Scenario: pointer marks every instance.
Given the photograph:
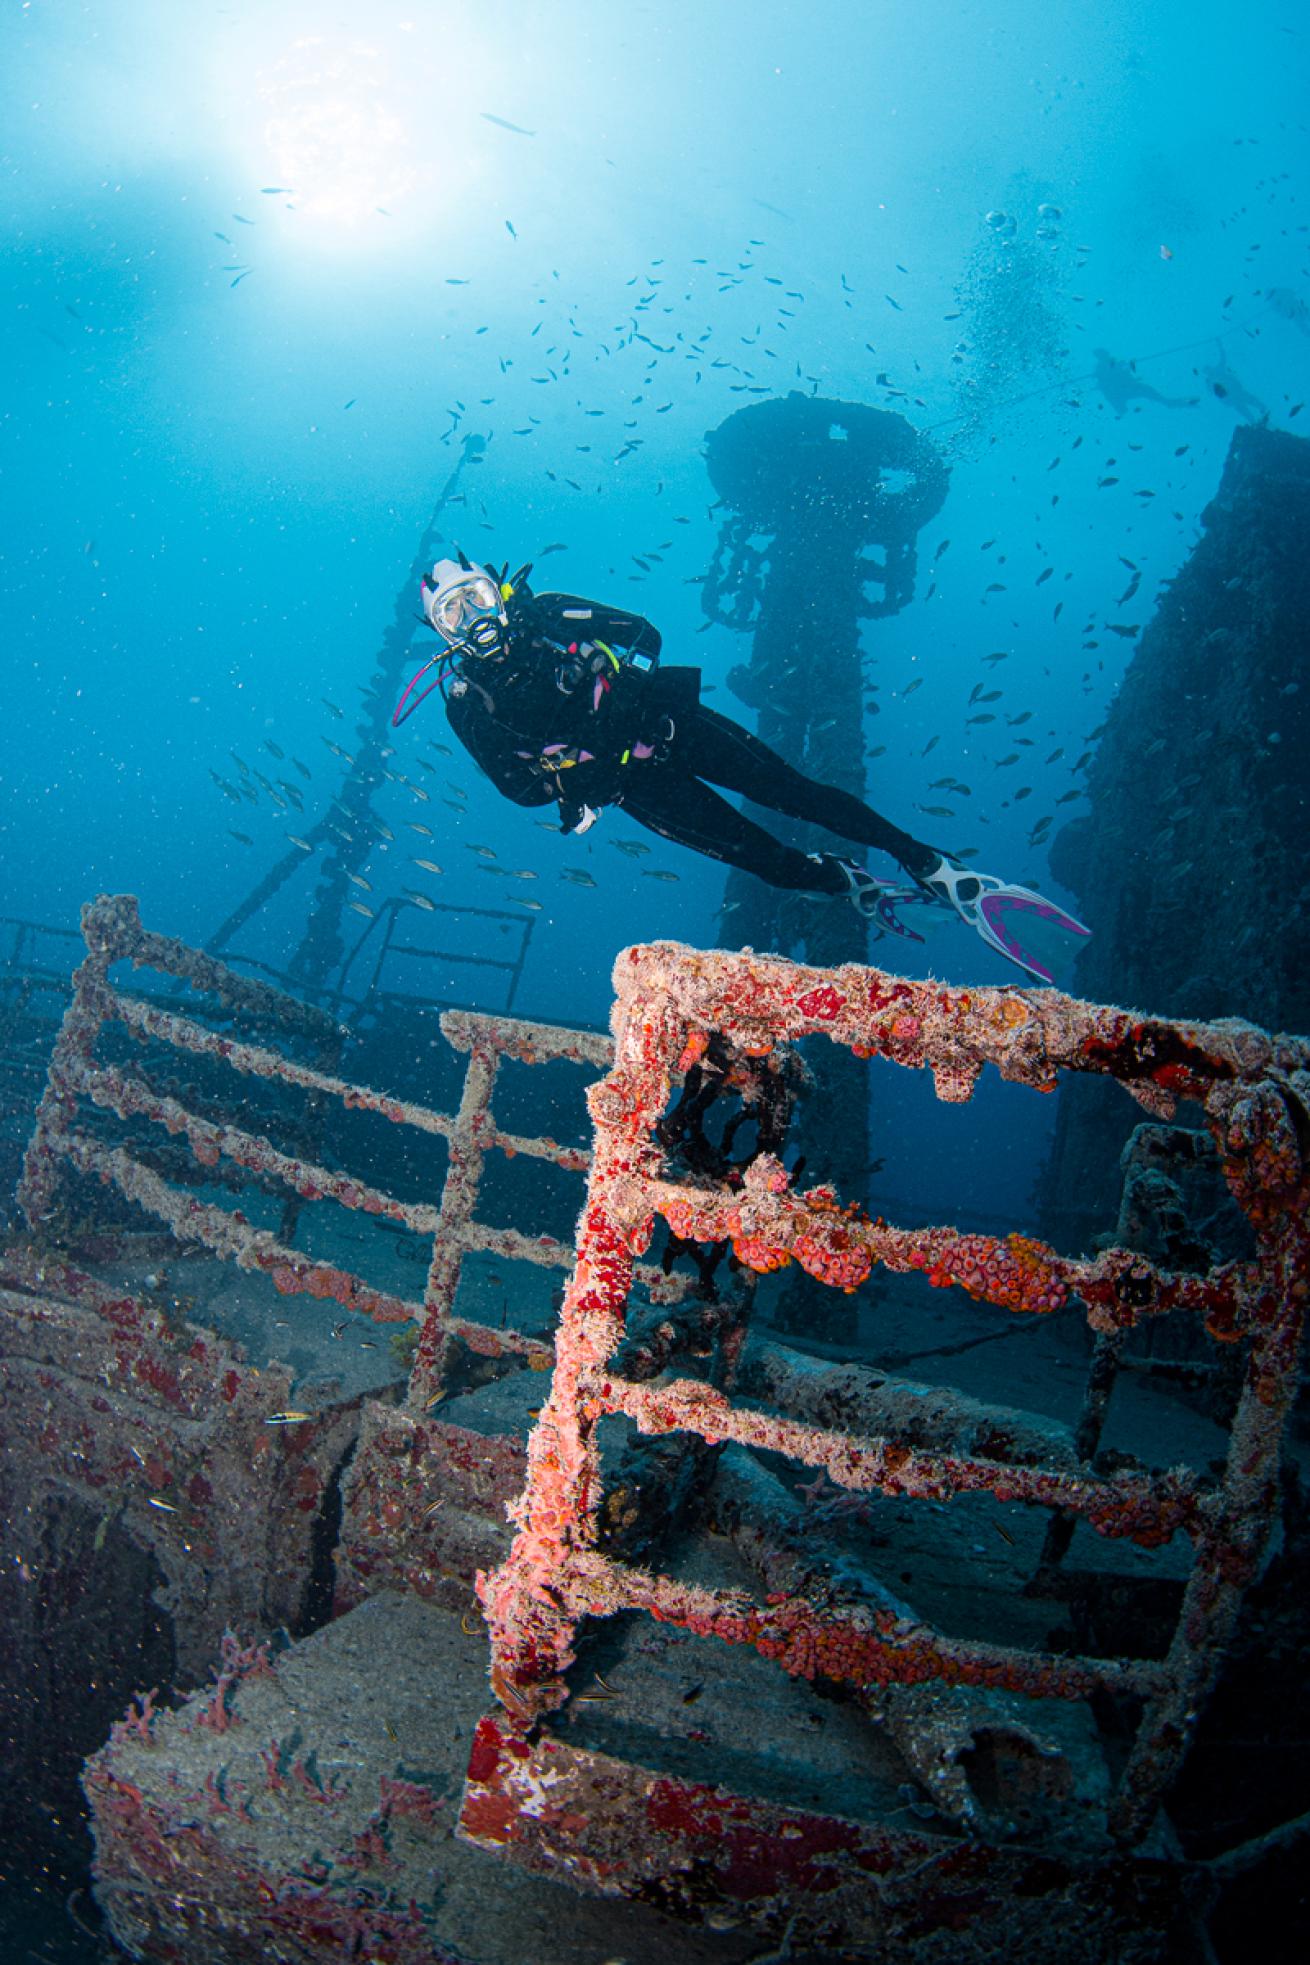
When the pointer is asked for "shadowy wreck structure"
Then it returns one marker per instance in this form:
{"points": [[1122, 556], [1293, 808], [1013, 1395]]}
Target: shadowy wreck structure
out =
{"points": [[412, 948], [823, 503], [1192, 863], [784, 1650]]}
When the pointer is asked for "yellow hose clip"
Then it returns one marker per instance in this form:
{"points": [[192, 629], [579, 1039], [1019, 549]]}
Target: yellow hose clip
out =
{"points": [[605, 649]]}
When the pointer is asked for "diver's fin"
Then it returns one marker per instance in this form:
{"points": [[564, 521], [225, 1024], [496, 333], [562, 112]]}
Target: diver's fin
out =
{"points": [[1020, 924], [877, 900]]}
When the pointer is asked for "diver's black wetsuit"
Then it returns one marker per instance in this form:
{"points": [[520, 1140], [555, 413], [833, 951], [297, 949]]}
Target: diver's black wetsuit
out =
{"points": [[556, 719]]}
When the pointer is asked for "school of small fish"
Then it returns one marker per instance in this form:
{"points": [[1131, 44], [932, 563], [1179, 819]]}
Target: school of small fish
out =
{"points": [[679, 353]]}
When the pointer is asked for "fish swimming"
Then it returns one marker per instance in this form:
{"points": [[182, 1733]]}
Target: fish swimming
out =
{"points": [[515, 129]]}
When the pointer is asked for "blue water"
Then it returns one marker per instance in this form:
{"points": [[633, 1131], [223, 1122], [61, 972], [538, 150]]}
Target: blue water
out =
{"points": [[264, 267]]}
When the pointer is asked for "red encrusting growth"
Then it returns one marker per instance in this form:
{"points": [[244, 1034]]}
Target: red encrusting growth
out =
{"points": [[669, 1001]]}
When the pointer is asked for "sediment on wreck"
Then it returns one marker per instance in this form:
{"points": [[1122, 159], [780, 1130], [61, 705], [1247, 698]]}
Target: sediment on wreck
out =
{"points": [[1192, 864]]}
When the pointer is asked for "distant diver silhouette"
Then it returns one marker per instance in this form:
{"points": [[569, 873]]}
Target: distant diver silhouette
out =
{"points": [[1119, 382], [1290, 305], [1229, 387]]}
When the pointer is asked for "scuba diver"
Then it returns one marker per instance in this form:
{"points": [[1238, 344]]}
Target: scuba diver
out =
{"points": [[1120, 384], [563, 701], [1229, 387]]}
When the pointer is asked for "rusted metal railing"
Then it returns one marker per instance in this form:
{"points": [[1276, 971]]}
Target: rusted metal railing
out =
{"points": [[113, 933], [1255, 1093]]}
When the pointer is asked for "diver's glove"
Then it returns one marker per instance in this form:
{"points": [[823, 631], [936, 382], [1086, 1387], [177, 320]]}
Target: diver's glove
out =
{"points": [[1017, 922], [655, 744], [877, 900], [578, 818]]}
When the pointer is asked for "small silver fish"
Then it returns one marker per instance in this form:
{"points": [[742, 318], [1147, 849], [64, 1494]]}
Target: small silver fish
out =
{"points": [[657, 873], [360, 908], [428, 866], [416, 825], [360, 881], [303, 844], [421, 900]]}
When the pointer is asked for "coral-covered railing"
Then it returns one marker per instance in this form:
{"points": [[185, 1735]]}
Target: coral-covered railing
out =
{"points": [[113, 933], [1255, 1093]]}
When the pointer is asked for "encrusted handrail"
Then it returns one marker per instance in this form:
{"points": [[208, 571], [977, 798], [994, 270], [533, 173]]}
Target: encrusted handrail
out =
{"points": [[1254, 1090], [113, 933]]}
